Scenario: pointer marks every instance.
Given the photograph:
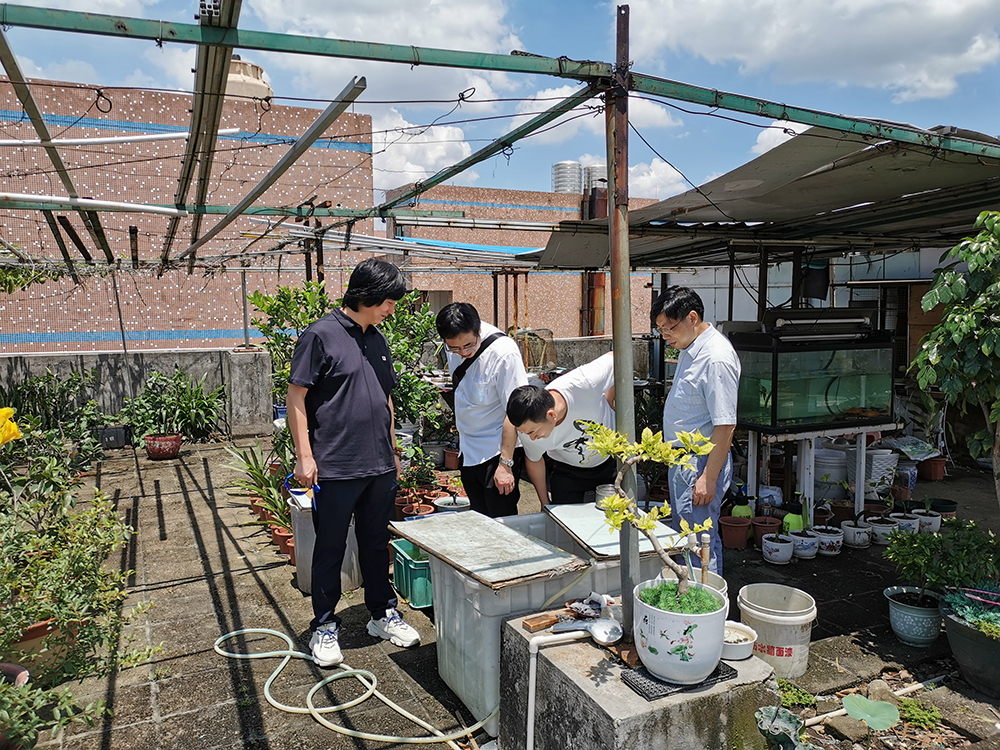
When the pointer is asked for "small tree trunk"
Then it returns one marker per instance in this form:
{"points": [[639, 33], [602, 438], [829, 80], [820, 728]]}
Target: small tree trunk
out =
{"points": [[996, 459]]}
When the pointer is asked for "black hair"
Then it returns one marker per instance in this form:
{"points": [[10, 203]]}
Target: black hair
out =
{"points": [[528, 403], [675, 302], [372, 282], [457, 318]]}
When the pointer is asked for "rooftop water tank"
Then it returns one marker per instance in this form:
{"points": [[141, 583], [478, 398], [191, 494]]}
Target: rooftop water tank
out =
{"points": [[566, 177], [595, 176], [247, 79]]}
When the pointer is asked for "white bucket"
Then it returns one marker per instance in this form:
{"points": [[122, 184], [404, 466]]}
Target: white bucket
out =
{"points": [[782, 617], [830, 470], [305, 540]]}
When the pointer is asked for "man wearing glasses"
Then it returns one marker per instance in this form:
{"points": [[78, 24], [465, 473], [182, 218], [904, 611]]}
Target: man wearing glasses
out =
{"points": [[703, 399], [485, 366]]}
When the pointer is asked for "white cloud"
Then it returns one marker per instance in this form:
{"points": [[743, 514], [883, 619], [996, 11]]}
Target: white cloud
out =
{"points": [[404, 153], [655, 180], [478, 25], [588, 117], [176, 63], [106, 7], [776, 134], [75, 71], [914, 48]]}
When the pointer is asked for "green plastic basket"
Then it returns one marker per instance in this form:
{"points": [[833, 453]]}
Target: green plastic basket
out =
{"points": [[411, 573]]}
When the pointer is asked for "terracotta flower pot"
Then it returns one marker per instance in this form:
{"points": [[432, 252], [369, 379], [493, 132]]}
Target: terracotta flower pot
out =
{"points": [[451, 461], [291, 549], [764, 525], [417, 509], [734, 531], [162, 446], [279, 537], [931, 469]]}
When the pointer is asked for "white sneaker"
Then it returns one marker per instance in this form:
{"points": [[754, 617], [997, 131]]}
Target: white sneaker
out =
{"points": [[325, 645], [393, 629]]}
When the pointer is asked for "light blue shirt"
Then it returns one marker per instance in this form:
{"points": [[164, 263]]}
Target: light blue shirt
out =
{"points": [[705, 387]]}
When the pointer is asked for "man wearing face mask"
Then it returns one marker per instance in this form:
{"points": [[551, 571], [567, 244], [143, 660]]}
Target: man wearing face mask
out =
{"points": [[485, 366], [701, 399]]}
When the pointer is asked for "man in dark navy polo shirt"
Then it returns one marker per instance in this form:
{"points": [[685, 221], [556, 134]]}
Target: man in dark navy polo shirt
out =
{"points": [[341, 420]]}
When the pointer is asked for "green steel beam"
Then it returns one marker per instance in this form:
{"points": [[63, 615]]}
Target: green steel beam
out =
{"points": [[762, 108], [182, 33], [535, 123], [347, 213]]}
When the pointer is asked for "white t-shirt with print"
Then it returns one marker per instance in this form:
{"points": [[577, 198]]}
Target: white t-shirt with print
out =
{"points": [[583, 389], [481, 398]]}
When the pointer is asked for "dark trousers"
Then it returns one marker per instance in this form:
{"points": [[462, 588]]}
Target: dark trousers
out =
{"points": [[370, 501], [568, 484], [482, 490]]}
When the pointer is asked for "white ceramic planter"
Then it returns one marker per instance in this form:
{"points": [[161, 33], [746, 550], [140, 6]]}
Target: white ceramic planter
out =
{"points": [[806, 544], [778, 548], [857, 534], [930, 521], [831, 540], [739, 641], [906, 522], [881, 528], [452, 503], [679, 648]]}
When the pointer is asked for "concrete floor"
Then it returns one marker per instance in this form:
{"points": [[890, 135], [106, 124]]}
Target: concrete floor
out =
{"points": [[208, 571]]}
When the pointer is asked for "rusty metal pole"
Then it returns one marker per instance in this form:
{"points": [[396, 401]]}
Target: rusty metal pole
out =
{"points": [[616, 109]]}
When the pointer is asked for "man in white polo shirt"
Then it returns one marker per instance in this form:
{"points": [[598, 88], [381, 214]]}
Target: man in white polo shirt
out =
{"points": [[701, 399], [554, 418], [487, 366]]}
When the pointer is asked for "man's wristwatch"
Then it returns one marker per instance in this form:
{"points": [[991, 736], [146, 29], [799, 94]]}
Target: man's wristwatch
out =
{"points": [[508, 462]]}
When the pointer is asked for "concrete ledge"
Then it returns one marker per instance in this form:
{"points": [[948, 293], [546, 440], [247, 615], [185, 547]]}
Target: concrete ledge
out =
{"points": [[246, 376], [582, 703]]}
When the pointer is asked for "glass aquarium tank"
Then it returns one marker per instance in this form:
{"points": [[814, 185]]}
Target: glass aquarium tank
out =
{"points": [[789, 387]]}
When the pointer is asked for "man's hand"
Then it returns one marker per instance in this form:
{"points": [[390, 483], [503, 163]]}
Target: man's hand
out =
{"points": [[399, 468], [305, 472], [703, 493], [504, 480]]}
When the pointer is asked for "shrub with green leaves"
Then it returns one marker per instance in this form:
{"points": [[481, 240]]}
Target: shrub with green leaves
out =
{"points": [[664, 595], [175, 404]]}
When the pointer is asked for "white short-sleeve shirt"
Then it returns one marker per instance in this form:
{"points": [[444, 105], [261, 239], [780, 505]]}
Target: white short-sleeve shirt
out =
{"points": [[705, 387], [481, 398], [584, 390]]}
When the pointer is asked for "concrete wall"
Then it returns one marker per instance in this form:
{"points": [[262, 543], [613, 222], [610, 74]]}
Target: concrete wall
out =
{"points": [[245, 375], [575, 352]]}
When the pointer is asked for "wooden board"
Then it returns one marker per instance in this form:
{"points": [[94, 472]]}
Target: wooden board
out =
{"points": [[585, 522], [486, 550]]}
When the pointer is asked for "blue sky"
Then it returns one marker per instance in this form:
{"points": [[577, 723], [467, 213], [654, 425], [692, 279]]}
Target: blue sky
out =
{"points": [[924, 62]]}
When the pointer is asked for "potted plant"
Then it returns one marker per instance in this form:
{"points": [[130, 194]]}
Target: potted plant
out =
{"points": [[958, 556], [972, 621], [679, 625], [929, 521], [61, 613], [169, 409]]}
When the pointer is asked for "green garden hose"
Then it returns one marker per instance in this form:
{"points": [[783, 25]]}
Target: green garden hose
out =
{"points": [[366, 678]]}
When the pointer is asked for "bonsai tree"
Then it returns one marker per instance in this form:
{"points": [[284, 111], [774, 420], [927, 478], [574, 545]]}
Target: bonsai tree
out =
{"points": [[961, 355], [620, 508]]}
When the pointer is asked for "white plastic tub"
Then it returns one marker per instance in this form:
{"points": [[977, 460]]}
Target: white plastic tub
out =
{"points": [[782, 617]]}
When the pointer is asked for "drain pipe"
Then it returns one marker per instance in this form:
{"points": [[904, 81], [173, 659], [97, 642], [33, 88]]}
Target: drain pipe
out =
{"points": [[533, 645]]}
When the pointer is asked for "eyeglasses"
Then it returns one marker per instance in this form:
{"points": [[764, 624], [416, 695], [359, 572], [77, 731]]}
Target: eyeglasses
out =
{"points": [[664, 331], [464, 349]]}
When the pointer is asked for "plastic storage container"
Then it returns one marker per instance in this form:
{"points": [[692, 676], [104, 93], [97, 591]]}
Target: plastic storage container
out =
{"points": [[468, 639], [411, 573]]}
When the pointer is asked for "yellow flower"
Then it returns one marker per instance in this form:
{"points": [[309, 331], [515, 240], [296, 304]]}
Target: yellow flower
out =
{"points": [[8, 428]]}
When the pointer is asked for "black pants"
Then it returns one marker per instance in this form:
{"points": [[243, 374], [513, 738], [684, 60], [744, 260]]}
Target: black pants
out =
{"points": [[370, 501], [569, 484], [482, 490]]}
